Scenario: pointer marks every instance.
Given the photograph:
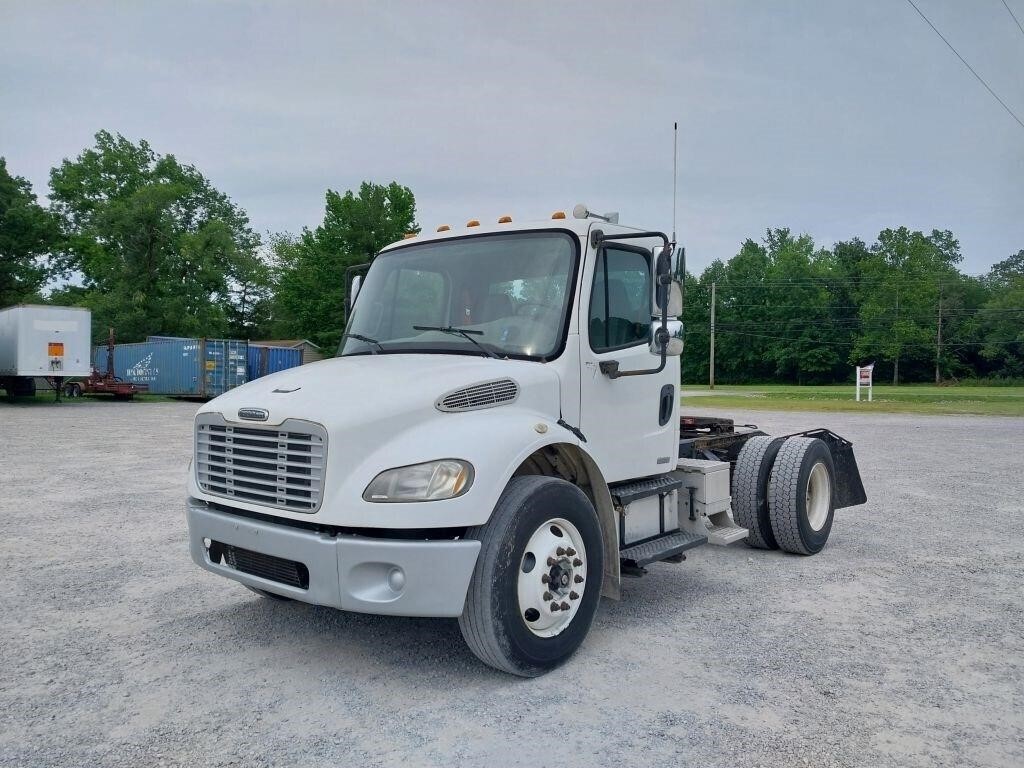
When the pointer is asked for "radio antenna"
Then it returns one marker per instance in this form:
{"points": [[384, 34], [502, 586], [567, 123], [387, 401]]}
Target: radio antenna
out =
{"points": [[675, 178]]}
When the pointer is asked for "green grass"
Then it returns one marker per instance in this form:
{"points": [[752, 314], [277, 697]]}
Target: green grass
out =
{"points": [[910, 398]]}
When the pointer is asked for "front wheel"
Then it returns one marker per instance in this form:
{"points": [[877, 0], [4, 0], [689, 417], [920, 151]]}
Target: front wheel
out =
{"points": [[537, 581]]}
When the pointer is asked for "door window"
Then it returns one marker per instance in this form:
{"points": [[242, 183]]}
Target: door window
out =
{"points": [[620, 301]]}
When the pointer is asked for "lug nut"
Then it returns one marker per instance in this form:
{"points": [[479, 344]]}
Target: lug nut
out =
{"points": [[552, 561], [570, 552], [548, 596], [578, 579], [560, 551], [554, 607], [564, 606], [573, 596], [544, 579], [577, 562]]}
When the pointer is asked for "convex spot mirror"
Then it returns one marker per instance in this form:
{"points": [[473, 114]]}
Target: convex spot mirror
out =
{"points": [[675, 338]]}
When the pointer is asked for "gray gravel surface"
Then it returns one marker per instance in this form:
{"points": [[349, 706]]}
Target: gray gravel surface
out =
{"points": [[900, 644]]}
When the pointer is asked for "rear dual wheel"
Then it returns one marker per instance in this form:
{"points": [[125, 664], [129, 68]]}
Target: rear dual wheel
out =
{"points": [[537, 580], [783, 493], [801, 499]]}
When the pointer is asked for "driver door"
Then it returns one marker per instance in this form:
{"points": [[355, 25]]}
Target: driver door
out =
{"points": [[622, 418]]}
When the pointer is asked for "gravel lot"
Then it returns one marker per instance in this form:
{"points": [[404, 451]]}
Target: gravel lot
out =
{"points": [[901, 644]]}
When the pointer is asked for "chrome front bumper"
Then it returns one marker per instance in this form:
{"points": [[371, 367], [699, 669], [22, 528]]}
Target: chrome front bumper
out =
{"points": [[354, 573]]}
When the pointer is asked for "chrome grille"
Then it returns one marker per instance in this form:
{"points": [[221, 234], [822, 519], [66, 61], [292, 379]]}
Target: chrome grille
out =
{"points": [[486, 394], [279, 466]]}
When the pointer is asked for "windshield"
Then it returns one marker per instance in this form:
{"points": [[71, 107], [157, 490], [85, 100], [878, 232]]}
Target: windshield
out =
{"points": [[496, 295]]}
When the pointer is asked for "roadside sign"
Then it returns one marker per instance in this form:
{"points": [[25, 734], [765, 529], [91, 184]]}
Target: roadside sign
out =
{"points": [[864, 376]]}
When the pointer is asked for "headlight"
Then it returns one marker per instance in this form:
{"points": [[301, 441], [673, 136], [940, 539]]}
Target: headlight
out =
{"points": [[431, 481]]}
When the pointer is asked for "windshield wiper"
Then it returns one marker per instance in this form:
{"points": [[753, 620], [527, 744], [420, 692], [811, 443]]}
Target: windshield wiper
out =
{"points": [[368, 340], [463, 332]]}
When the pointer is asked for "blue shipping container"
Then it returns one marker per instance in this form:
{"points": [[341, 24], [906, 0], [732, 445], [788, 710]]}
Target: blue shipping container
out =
{"points": [[191, 367], [264, 360]]}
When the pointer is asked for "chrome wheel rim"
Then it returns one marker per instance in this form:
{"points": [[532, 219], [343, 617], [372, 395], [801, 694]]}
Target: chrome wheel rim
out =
{"points": [[552, 576], [819, 496]]}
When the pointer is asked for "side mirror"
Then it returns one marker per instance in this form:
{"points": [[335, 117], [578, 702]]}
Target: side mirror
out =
{"points": [[673, 338], [357, 281], [675, 299]]}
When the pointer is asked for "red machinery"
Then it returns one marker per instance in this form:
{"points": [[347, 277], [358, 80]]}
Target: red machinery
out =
{"points": [[105, 383]]}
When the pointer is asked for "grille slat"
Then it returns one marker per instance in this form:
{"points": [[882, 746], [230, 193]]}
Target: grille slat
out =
{"points": [[280, 466], [486, 394]]}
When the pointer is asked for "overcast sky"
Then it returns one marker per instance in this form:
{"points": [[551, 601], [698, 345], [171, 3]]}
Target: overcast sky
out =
{"points": [[832, 117]]}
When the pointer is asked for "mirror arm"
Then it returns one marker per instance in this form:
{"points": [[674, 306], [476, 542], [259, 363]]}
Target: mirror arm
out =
{"points": [[663, 275]]}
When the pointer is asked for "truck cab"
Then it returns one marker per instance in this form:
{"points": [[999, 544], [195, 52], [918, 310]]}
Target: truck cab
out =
{"points": [[498, 440]]}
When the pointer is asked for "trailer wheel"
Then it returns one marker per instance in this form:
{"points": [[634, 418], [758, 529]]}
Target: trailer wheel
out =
{"points": [[73, 390], [801, 497], [537, 581], [750, 489]]}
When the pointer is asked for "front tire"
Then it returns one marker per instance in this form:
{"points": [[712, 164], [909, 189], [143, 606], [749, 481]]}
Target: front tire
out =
{"points": [[537, 580]]}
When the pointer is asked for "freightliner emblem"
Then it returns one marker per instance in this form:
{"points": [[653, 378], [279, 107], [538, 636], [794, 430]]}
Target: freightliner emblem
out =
{"points": [[253, 414]]}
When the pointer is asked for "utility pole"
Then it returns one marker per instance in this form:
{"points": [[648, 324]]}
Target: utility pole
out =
{"points": [[714, 287], [896, 362], [938, 340]]}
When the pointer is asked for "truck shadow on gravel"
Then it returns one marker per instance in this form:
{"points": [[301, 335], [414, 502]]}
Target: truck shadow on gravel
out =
{"points": [[294, 632]]}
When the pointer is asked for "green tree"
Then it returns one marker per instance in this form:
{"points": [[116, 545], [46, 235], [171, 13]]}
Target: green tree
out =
{"points": [[899, 297], [160, 250], [28, 232], [1001, 319], [310, 288]]}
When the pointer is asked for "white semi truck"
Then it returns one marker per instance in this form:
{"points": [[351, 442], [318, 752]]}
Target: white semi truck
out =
{"points": [[498, 440]]}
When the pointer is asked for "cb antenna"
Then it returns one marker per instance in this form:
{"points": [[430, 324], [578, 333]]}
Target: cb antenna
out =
{"points": [[675, 178]]}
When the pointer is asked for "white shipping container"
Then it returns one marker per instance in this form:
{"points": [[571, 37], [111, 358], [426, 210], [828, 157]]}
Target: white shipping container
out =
{"points": [[45, 341]]}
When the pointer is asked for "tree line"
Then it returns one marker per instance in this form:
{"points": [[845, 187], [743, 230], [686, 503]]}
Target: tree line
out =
{"points": [[152, 247], [789, 311]]}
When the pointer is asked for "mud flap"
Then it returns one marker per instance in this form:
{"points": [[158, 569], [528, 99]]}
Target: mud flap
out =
{"points": [[849, 488]]}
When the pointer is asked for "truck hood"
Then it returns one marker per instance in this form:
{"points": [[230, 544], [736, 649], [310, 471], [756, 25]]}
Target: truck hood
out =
{"points": [[391, 393]]}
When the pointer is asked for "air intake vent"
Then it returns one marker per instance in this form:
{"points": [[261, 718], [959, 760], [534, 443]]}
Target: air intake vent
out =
{"points": [[486, 394]]}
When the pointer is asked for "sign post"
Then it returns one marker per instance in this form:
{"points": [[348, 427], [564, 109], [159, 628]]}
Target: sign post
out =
{"points": [[864, 379]]}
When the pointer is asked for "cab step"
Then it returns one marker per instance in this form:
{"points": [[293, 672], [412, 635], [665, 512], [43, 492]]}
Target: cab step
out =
{"points": [[724, 535], [626, 493], [661, 548]]}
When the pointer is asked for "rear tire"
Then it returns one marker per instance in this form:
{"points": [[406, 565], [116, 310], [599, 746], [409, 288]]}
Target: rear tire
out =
{"points": [[508, 621], [750, 489], [801, 496]]}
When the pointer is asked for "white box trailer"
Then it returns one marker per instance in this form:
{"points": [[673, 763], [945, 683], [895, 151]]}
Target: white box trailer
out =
{"points": [[43, 342]]}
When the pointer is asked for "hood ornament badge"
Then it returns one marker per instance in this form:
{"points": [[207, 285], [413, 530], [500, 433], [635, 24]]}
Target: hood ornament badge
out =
{"points": [[253, 414], [285, 391]]}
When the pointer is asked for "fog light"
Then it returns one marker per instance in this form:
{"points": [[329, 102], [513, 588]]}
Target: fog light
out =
{"points": [[396, 579]]}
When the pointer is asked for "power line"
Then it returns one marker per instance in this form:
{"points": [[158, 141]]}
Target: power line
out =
{"points": [[1014, 17], [964, 61], [928, 345]]}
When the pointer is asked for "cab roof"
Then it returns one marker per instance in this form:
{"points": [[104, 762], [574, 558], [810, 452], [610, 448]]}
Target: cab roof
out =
{"points": [[580, 227]]}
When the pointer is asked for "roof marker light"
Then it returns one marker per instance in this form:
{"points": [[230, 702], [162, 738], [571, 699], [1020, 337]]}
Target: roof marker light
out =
{"points": [[505, 220], [472, 223], [558, 215], [408, 235], [443, 228]]}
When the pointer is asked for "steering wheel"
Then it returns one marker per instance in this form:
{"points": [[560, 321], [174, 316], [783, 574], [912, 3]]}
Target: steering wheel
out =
{"points": [[534, 309]]}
